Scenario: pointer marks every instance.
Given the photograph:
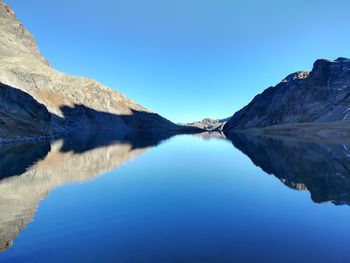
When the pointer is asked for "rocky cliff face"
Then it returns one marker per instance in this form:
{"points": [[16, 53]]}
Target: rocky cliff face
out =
{"points": [[319, 96], [73, 102]]}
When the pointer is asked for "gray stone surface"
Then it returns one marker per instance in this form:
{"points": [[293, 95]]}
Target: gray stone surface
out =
{"points": [[208, 124]]}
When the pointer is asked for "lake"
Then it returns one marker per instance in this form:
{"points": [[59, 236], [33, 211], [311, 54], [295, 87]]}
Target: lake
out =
{"points": [[186, 198]]}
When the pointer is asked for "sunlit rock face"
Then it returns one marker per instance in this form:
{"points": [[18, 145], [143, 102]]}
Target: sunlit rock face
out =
{"points": [[322, 168], [319, 96], [16, 40], [46, 166], [209, 124]]}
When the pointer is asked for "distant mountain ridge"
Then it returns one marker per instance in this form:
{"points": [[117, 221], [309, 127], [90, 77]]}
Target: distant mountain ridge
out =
{"points": [[208, 124], [319, 96]]}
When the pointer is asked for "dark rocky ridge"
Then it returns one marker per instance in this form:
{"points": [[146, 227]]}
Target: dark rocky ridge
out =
{"points": [[319, 96]]}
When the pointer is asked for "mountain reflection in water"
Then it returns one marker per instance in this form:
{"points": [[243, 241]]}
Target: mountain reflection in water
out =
{"points": [[30, 171], [321, 167]]}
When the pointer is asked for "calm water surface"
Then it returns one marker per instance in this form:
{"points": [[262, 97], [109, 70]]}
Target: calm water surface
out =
{"points": [[188, 199]]}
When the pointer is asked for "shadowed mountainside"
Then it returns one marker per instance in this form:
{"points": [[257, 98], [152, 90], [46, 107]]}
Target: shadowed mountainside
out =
{"points": [[319, 96], [322, 168], [21, 115], [22, 118]]}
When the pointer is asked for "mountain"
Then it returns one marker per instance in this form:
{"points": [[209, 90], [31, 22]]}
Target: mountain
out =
{"points": [[208, 124], [61, 102], [321, 96]]}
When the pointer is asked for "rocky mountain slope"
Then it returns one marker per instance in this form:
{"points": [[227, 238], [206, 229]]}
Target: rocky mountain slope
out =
{"points": [[208, 124], [319, 96], [72, 102]]}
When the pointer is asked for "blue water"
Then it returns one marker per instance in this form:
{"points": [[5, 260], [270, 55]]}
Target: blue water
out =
{"points": [[185, 200]]}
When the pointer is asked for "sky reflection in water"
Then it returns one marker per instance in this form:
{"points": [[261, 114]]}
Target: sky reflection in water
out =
{"points": [[186, 200]]}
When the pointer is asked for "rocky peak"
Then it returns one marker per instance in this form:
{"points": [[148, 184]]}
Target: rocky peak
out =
{"points": [[342, 59], [297, 75], [6, 10], [328, 72], [16, 39]]}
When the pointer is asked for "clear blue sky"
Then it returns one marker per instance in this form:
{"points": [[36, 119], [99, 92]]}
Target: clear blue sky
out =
{"points": [[187, 59]]}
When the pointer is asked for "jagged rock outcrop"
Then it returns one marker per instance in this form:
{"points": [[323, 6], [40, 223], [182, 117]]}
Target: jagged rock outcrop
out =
{"points": [[16, 40], [319, 96], [320, 167], [73, 102]]}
